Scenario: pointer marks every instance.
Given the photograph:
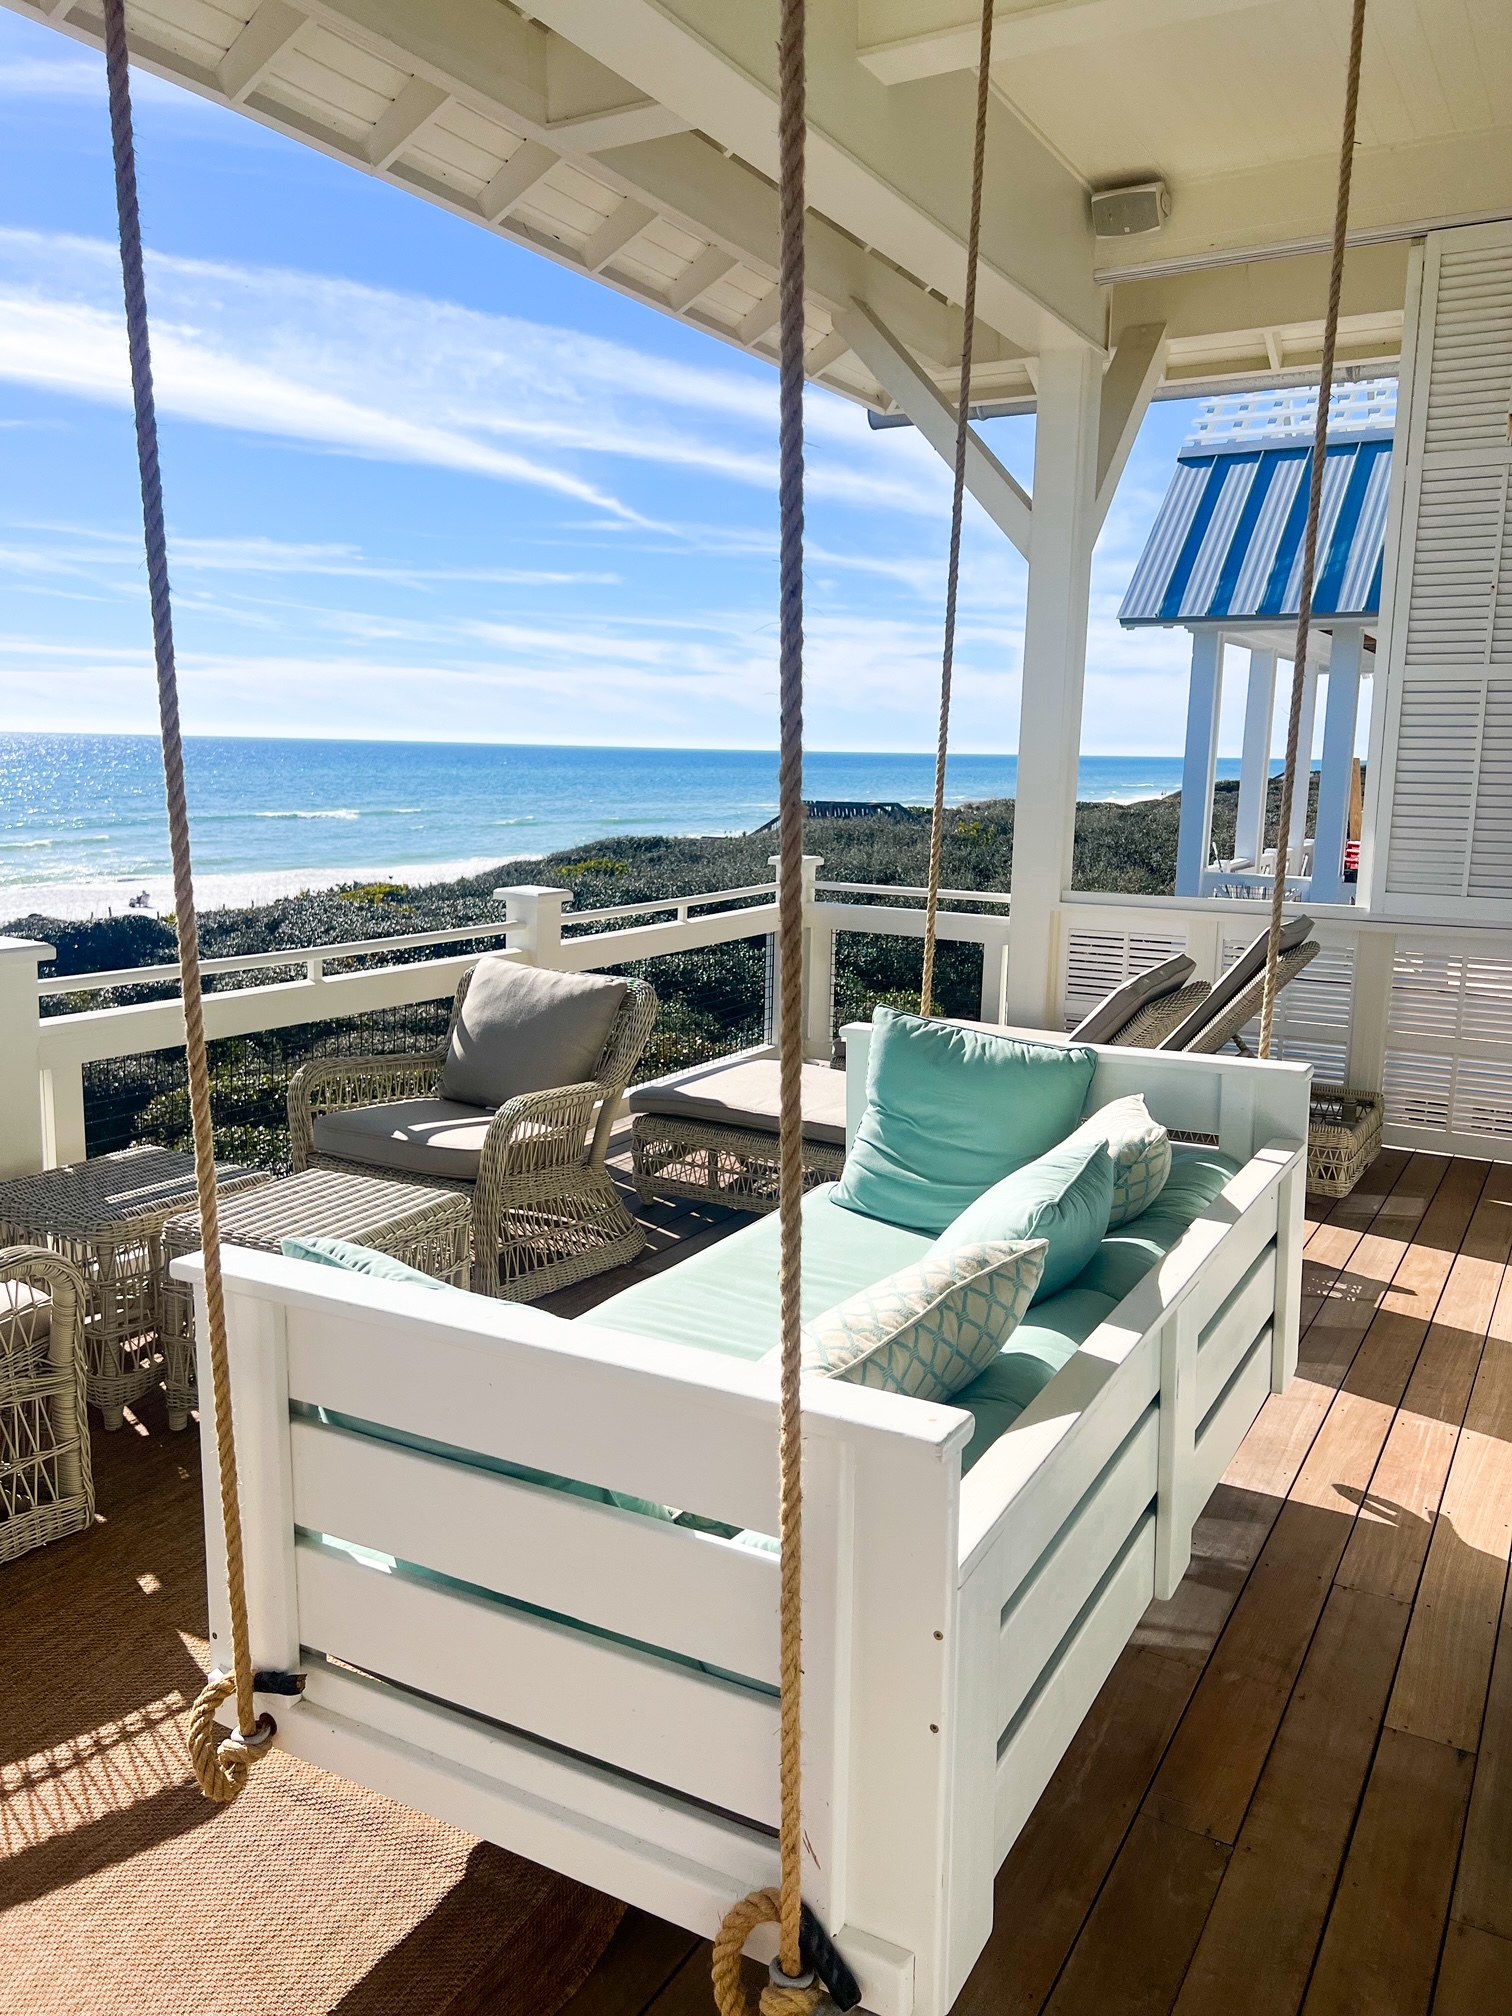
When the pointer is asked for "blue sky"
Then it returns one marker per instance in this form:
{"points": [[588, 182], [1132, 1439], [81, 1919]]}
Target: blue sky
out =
{"points": [[423, 483]]}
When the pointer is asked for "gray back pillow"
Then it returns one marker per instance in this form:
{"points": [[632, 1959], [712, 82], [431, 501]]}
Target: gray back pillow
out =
{"points": [[524, 1029]]}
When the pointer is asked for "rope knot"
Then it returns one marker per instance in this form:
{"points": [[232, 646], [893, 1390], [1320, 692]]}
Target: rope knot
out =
{"points": [[223, 1764], [782, 1996]]}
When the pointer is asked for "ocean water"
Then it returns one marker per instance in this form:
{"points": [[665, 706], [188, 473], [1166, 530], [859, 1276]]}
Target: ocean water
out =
{"points": [[83, 828]]}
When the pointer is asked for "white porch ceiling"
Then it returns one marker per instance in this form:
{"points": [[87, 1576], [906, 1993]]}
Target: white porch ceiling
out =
{"points": [[635, 140]]}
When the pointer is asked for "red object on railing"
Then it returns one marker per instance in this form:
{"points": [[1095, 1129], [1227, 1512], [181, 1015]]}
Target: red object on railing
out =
{"points": [[1351, 860]]}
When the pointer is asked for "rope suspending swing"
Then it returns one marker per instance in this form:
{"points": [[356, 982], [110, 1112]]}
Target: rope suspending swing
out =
{"points": [[792, 1989], [957, 508], [1310, 537], [221, 1764]]}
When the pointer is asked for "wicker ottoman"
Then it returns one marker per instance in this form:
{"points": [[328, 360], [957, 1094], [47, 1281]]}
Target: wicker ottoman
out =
{"points": [[106, 1216], [1343, 1139], [427, 1229], [710, 1133]]}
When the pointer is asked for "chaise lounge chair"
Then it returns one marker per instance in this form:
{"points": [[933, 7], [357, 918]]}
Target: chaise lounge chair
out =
{"points": [[502, 1110]]}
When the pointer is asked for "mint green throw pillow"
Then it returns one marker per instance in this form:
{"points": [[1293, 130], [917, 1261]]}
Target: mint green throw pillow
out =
{"points": [[1063, 1197], [934, 1326], [328, 1252], [950, 1112]]}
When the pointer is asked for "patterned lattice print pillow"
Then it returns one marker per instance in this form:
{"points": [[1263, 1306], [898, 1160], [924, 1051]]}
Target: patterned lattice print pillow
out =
{"points": [[1141, 1151], [931, 1328]]}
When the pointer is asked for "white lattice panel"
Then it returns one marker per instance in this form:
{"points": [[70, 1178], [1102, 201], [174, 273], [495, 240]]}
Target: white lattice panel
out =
{"points": [[1099, 961], [1449, 1043], [1312, 1013]]}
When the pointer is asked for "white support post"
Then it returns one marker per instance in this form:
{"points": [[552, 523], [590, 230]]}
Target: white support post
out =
{"points": [[21, 1089], [1340, 717], [818, 971], [1254, 767], [258, 1357], [994, 974], [1063, 530], [1370, 1010], [1199, 769], [1291, 1236], [1293, 862], [1177, 1448], [534, 916]]}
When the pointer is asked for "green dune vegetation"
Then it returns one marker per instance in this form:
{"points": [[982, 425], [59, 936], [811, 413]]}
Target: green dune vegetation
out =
{"points": [[711, 1001]]}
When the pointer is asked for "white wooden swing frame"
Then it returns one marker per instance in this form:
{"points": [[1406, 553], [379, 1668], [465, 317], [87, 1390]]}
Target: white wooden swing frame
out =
{"points": [[955, 1630]]}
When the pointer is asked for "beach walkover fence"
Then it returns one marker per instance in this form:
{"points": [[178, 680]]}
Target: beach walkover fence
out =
{"points": [[1419, 1012]]}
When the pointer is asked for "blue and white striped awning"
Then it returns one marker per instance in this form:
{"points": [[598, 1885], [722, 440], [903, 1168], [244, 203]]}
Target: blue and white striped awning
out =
{"points": [[1227, 545]]}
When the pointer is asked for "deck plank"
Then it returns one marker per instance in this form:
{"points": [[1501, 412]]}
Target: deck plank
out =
{"points": [[1483, 1892], [1446, 1663], [1475, 1974], [1218, 1753], [1257, 1947], [1380, 1953]]}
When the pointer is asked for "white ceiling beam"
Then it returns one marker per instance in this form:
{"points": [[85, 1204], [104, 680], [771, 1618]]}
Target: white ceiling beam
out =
{"points": [[616, 232], [1000, 495], [408, 116], [876, 165], [715, 197], [265, 37], [622, 126], [901, 41], [827, 351], [711, 265], [758, 321], [529, 164], [1128, 385]]}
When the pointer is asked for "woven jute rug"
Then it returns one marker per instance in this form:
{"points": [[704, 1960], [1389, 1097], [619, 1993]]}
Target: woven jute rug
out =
{"points": [[124, 1893]]}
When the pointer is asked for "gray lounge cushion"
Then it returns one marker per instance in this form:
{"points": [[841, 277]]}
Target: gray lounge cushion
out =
{"points": [[1117, 1010], [416, 1137], [746, 1095], [524, 1029]]}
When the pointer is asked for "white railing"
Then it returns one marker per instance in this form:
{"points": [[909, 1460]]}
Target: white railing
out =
{"points": [[1419, 1012]]}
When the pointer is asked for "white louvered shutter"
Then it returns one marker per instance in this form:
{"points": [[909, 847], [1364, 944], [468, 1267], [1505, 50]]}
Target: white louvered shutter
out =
{"points": [[1450, 830]]}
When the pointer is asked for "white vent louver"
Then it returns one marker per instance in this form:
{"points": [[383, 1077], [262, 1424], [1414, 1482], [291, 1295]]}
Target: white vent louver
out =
{"points": [[1449, 1044], [1450, 833], [1099, 961]]}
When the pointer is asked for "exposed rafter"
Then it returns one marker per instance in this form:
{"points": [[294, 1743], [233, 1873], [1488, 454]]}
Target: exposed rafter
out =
{"points": [[265, 37]]}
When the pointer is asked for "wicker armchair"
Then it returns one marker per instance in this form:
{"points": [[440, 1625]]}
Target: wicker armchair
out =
{"points": [[46, 1488], [545, 1212]]}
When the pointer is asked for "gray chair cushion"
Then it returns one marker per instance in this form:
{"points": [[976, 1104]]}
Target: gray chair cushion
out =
{"points": [[1249, 964], [524, 1029], [746, 1095], [417, 1137], [1117, 1010]]}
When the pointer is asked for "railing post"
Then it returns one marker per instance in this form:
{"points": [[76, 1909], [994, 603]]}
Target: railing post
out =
{"points": [[21, 1136], [534, 917], [63, 1113], [818, 971]]}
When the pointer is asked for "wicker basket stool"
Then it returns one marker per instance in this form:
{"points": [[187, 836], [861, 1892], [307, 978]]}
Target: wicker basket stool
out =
{"points": [[46, 1489], [1343, 1139], [427, 1229], [106, 1216], [710, 1133]]}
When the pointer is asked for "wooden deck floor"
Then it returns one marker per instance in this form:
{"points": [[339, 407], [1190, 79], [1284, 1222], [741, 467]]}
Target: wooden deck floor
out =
{"points": [[1295, 1791]]}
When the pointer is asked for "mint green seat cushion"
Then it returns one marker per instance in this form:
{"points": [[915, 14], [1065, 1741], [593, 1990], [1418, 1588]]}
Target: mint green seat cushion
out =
{"points": [[354, 1259], [1064, 1197], [725, 1298], [1054, 1328], [950, 1112]]}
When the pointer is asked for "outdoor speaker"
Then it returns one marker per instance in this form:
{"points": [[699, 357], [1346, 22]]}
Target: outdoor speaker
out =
{"points": [[1130, 212]]}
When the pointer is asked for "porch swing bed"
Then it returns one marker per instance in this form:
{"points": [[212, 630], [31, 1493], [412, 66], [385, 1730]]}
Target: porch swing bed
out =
{"points": [[598, 1689]]}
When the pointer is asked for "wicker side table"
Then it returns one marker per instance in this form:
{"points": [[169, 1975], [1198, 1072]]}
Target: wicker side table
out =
{"points": [[427, 1229], [106, 1216]]}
